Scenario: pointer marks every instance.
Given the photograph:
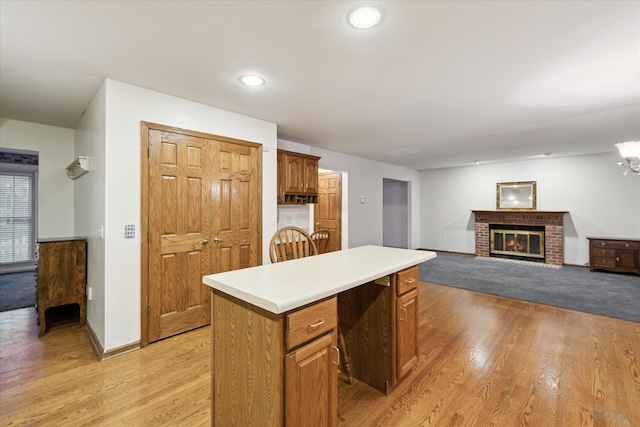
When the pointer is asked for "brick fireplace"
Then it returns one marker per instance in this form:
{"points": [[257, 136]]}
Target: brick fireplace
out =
{"points": [[552, 221]]}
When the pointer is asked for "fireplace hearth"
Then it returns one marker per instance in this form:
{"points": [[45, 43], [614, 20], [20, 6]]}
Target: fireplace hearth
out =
{"points": [[552, 238]]}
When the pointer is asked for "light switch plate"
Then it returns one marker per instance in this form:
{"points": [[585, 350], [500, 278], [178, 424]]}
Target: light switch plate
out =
{"points": [[129, 231]]}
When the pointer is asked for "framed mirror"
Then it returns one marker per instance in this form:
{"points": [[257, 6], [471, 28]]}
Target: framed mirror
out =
{"points": [[516, 195]]}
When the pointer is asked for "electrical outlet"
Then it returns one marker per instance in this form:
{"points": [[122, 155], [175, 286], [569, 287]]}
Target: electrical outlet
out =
{"points": [[129, 231], [89, 293]]}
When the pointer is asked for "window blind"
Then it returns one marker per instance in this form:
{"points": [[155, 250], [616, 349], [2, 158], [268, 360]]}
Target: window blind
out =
{"points": [[16, 217]]}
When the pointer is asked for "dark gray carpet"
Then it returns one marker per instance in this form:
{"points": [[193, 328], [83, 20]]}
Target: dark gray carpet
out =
{"points": [[575, 288], [17, 290]]}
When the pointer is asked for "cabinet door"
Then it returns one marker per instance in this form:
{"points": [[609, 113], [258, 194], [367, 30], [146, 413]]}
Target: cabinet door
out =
{"points": [[406, 333], [295, 174], [311, 383], [627, 258], [311, 175]]}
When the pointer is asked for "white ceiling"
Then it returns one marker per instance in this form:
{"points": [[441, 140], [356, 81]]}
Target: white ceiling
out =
{"points": [[436, 84]]}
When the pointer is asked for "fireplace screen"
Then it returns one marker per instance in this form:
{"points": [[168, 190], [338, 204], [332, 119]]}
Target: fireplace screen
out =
{"points": [[521, 243]]}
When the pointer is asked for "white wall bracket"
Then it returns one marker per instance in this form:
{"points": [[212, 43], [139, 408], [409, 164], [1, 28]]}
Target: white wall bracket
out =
{"points": [[78, 167]]}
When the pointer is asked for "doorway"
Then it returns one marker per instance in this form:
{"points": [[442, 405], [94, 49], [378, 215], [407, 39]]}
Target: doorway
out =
{"points": [[202, 210], [395, 213]]}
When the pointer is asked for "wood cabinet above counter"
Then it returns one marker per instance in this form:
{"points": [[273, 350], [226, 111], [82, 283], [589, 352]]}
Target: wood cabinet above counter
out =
{"points": [[297, 178]]}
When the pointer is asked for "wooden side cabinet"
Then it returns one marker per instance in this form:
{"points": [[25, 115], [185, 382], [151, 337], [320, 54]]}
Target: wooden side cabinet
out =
{"points": [[62, 267], [616, 255]]}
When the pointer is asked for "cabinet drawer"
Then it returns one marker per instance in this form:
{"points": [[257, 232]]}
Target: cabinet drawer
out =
{"points": [[310, 322], [407, 280], [604, 262], [615, 244], [604, 252]]}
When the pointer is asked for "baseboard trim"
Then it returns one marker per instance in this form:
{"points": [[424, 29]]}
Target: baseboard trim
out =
{"points": [[118, 351], [104, 355], [97, 347]]}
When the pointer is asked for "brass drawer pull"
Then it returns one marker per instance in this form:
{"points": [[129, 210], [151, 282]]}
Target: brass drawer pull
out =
{"points": [[317, 324], [338, 358], [413, 279], [403, 310]]}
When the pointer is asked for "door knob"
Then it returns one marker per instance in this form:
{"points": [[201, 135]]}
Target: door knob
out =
{"points": [[217, 240], [205, 241]]}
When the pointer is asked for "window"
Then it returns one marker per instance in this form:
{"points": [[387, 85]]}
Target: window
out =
{"points": [[18, 186]]}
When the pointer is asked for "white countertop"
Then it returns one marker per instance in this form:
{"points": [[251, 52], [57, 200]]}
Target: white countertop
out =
{"points": [[291, 284]]}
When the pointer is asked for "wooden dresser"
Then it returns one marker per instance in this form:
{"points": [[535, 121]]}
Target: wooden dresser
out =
{"points": [[62, 267], [614, 254]]}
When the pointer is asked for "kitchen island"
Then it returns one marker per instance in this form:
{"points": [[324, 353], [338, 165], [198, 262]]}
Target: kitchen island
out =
{"points": [[276, 327]]}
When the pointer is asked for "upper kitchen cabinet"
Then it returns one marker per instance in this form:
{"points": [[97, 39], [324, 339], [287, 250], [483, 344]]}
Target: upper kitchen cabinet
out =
{"points": [[297, 177]]}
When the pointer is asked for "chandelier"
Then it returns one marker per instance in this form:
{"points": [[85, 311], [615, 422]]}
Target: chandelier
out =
{"points": [[630, 151]]}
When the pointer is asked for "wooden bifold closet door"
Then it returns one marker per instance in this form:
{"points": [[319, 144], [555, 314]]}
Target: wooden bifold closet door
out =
{"points": [[202, 210]]}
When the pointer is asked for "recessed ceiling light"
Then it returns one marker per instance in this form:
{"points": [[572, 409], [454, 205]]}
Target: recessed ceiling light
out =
{"points": [[252, 80], [364, 17]]}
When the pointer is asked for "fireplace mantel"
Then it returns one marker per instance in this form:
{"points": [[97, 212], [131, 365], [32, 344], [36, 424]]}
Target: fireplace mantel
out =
{"points": [[553, 222]]}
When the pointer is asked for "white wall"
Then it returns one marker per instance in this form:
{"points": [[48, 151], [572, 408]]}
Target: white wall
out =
{"points": [[296, 215], [599, 199], [126, 107], [55, 189], [365, 180], [90, 141]]}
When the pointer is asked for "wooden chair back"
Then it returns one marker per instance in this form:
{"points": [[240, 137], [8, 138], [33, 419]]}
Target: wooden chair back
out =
{"points": [[321, 239], [290, 243]]}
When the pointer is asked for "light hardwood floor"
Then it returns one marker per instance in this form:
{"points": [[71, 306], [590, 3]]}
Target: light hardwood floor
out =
{"points": [[484, 361]]}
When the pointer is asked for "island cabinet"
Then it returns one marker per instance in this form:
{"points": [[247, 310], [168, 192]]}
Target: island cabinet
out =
{"points": [[311, 370], [276, 329], [280, 369], [297, 177], [614, 254], [406, 321], [379, 322]]}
